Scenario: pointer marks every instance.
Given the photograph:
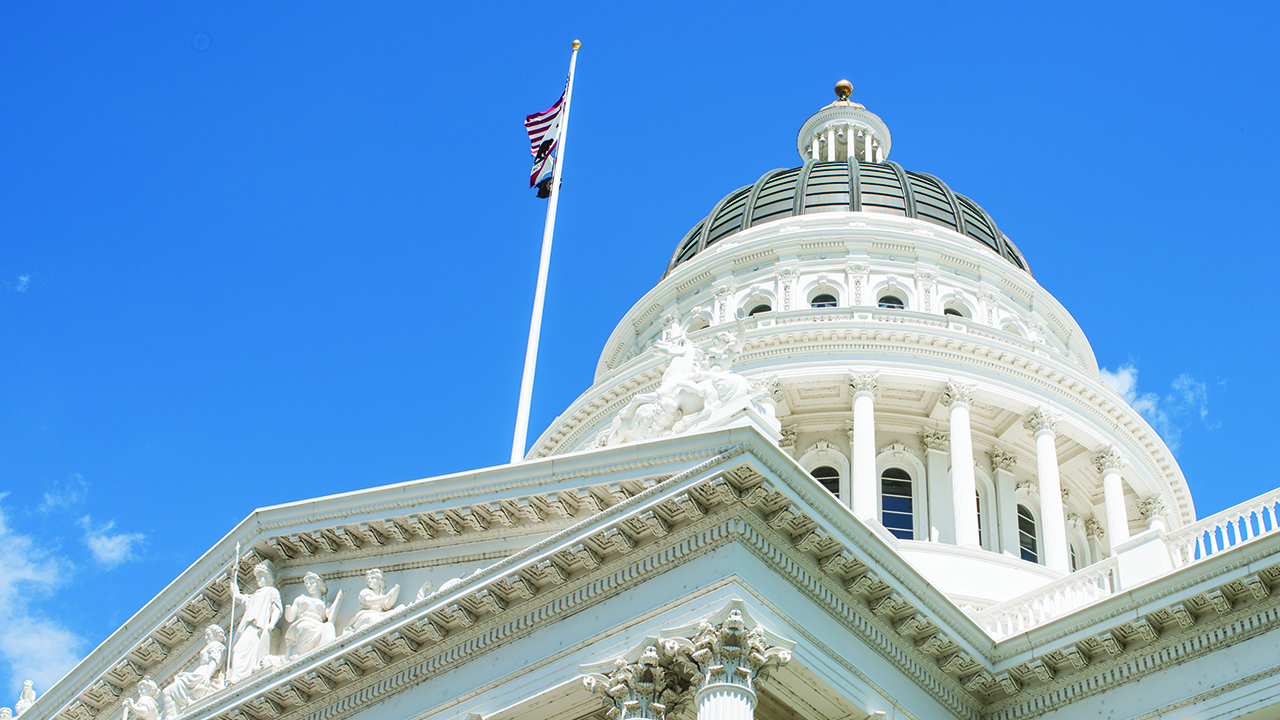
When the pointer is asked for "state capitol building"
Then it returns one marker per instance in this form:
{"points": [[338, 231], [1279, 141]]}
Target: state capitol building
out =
{"points": [[846, 460]]}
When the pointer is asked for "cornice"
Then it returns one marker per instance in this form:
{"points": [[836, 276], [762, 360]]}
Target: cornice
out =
{"points": [[166, 631]]}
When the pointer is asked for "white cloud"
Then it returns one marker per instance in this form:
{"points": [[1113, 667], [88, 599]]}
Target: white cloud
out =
{"points": [[23, 281], [65, 493], [108, 549], [33, 646], [1169, 414]]}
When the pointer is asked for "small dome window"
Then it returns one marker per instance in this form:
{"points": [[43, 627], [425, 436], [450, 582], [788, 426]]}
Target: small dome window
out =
{"points": [[952, 312], [698, 323], [824, 300], [896, 512], [1027, 535], [891, 302], [761, 308], [828, 477]]}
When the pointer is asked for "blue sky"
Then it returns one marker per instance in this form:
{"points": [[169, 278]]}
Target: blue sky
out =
{"points": [[252, 253]]}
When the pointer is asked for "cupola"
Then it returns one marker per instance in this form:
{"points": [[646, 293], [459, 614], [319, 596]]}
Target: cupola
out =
{"points": [[844, 128]]}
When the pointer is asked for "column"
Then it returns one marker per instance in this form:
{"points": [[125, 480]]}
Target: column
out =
{"points": [[941, 516], [1006, 515], [1108, 463], [864, 388], [1044, 427], [732, 660], [831, 144], [815, 152], [866, 147], [963, 486]]}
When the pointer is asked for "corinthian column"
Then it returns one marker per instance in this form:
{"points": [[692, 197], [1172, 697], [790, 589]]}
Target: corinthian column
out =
{"points": [[1044, 427], [864, 388], [963, 486], [1108, 463], [730, 660]]}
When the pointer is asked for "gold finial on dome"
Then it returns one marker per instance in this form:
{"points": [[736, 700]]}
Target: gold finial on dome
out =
{"points": [[844, 89], [577, 44]]}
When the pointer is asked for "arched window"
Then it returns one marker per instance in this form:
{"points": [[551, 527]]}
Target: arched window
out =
{"points": [[978, 495], [1075, 557], [952, 312], [895, 503], [891, 302], [699, 322], [761, 308], [1027, 535], [828, 477], [823, 300]]}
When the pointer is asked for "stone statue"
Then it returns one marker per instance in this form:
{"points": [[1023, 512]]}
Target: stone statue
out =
{"points": [[423, 591], [148, 705], [698, 389], [25, 700], [312, 621], [376, 600], [262, 611], [6, 713], [202, 680]]}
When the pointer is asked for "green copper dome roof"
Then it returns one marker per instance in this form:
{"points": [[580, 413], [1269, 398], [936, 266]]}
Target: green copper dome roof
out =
{"points": [[842, 186]]}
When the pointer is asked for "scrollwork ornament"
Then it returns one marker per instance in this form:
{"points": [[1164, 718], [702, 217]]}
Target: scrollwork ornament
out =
{"points": [[788, 438]]}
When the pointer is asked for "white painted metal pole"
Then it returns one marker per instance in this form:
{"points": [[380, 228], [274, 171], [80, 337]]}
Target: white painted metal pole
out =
{"points": [[535, 325]]}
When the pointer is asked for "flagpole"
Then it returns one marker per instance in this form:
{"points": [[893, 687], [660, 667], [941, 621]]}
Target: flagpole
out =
{"points": [[535, 325]]}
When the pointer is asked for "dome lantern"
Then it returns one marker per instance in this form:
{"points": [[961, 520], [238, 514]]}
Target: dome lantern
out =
{"points": [[844, 126]]}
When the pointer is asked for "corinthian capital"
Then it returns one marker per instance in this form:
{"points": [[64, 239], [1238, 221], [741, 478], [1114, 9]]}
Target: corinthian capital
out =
{"points": [[1001, 460], [1151, 507], [958, 395], [645, 689], [1108, 459], [728, 652], [868, 383], [1041, 421], [935, 440]]}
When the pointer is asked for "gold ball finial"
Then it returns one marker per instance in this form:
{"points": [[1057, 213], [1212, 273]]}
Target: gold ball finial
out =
{"points": [[577, 44], [844, 89]]}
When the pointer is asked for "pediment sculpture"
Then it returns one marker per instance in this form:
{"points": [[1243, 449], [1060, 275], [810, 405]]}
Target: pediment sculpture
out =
{"points": [[698, 390]]}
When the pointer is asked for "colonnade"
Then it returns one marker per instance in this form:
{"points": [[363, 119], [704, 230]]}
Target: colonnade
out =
{"points": [[872, 151], [1043, 426]]}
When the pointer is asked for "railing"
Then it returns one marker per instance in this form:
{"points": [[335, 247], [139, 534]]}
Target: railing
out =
{"points": [[1228, 529], [1081, 588]]}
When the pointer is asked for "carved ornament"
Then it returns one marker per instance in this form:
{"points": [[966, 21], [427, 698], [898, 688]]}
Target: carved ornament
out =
{"points": [[1001, 460], [935, 440], [1108, 460], [864, 384], [958, 395], [1041, 421]]}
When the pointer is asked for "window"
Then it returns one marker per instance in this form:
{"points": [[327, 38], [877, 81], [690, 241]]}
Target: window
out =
{"points": [[1075, 558], [828, 477], [892, 302], [761, 308], [952, 312], [895, 503], [698, 323], [823, 300], [978, 495], [1027, 535]]}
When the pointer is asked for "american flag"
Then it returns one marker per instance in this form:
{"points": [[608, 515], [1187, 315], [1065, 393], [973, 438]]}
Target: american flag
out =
{"points": [[544, 134]]}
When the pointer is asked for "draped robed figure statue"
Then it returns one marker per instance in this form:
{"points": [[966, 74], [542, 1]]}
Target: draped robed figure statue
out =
{"points": [[262, 610]]}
